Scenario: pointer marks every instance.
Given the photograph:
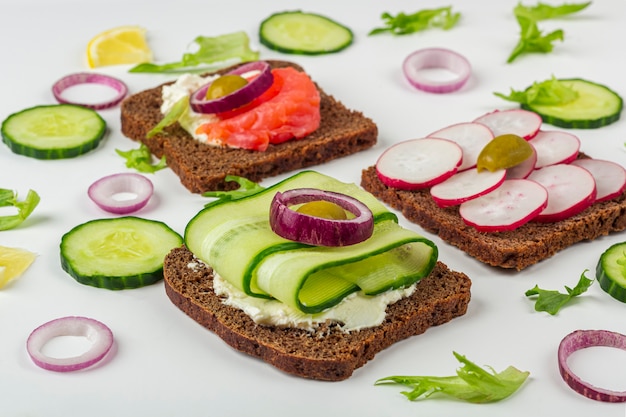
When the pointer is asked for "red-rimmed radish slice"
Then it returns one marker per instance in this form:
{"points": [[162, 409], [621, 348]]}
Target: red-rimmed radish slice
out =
{"points": [[524, 168], [610, 177], [571, 189], [583, 339], [418, 163], [509, 206], [471, 137], [518, 122], [465, 186], [555, 147], [424, 69]]}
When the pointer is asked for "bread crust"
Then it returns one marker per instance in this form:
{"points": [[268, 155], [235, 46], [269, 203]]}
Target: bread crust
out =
{"points": [[517, 249], [327, 354], [203, 167]]}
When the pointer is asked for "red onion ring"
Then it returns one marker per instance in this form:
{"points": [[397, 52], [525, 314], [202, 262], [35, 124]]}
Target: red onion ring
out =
{"points": [[318, 231], [436, 58], [96, 332], [90, 78], [138, 188], [245, 94], [581, 339]]}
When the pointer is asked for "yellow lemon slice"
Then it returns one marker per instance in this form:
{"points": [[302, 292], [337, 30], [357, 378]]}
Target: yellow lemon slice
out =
{"points": [[120, 45], [13, 263]]}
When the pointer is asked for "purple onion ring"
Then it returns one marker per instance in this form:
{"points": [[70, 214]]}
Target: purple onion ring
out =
{"points": [[319, 231], [90, 78], [436, 58], [96, 332], [581, 339], [257, 86], [137, 188]]}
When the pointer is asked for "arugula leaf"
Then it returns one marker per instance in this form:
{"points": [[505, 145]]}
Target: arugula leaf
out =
{"points": [[551, 92], [246, 188], [212, 53], [472, 383], [403, 24], [551, 301], [24, 208], [532, 39], [141, 159]]}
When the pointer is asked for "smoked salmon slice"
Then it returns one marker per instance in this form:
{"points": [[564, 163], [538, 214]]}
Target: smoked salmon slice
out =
{"points": [[289, 110]]}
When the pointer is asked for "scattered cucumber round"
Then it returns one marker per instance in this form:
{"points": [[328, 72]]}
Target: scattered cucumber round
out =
{"points": [[297, 32], [611, 271], [53, 131], [117, 253], [596, 106]]}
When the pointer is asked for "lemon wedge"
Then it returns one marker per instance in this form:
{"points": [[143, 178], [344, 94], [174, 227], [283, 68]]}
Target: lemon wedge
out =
{"points": [[117, 46], [13, 263]]}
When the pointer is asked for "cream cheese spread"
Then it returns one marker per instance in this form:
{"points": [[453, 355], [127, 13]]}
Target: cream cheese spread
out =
{"points": [[355, 312]]}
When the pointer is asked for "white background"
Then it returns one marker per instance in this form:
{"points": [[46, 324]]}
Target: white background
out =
{"points": [[164, 364]]}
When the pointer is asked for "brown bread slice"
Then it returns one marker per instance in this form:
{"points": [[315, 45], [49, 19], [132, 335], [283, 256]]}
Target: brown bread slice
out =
{"points": [[517, 249], [203, 167], [328, 354]]}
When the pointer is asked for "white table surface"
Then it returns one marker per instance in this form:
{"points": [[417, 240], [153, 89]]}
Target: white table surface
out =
{"points": [[164, 364]]}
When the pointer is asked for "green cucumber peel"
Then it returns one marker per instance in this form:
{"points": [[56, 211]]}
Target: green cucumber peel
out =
{"points": [[551, 301], [404, 24], [140, 159], [471, 384], [212, 53], [550, 92], [9, 198]]}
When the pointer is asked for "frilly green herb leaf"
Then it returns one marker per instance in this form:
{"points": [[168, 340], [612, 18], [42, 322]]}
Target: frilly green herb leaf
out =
{"points": [[472, 383], [551, 301], [551, 92], [141, 160], [403, 24], [246, 188], [24, 208], [212, 53]]}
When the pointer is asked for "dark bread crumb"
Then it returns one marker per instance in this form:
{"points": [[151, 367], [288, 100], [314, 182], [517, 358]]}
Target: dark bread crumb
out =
{"points": [[203, 167], [329, 353], [518, 249]]}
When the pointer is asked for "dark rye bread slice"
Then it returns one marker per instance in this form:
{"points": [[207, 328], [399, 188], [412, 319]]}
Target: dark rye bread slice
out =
{"points": [[328, 354], [517, 249], [203, 167]]}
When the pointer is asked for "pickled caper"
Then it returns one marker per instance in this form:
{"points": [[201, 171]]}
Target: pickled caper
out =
{"points": [[225, 85], [323, 209], [504, 151]]}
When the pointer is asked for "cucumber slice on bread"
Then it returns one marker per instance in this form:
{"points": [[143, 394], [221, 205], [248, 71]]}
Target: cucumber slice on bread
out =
{"points": [[117, 253], [53, 131], [297, 32]]}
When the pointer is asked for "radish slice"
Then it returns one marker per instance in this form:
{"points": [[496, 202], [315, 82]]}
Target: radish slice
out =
{"points": [[419, 65], [555, 147], [471, 137], [96, 332], [518, 122], [582, 339], [465, 186], [509, 206], [610, 177], [418, 163], [524, 168], [121, 193], [571, 189]]}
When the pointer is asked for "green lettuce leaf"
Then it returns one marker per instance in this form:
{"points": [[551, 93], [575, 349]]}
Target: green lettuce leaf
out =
{"points": [[212, 53], [544, 11], [472, 383], [246, 188], [178, 109], [403, 24], [551, 301], [551, 92], [8, 198], [141, 160]]}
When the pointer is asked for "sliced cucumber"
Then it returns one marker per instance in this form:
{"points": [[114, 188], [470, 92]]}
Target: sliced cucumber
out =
{"points": [[611, 271], [234, 237], [596, 106], [118, 253], [54, 131], [297, 32]]}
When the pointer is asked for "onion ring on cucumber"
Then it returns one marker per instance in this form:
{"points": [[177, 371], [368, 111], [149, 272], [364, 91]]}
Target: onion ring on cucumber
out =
{"points": [[90, 78], [97, 333], [581, 339], [319, 231]]}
